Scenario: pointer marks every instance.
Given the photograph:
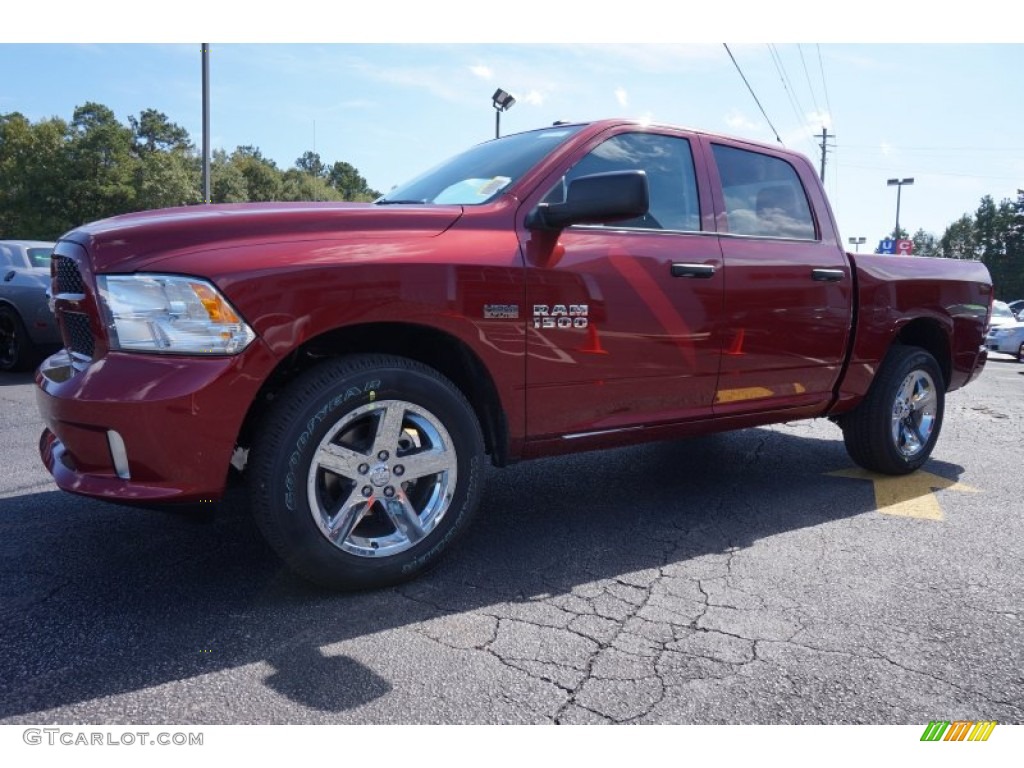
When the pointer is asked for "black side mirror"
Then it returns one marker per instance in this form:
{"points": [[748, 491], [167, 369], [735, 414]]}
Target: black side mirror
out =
{"points": [[598, 199]]}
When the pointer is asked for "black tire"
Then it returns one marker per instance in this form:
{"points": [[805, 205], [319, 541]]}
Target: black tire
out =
{"points": [[1020, 353], [894, 430], [405, 455], [17, 352]]}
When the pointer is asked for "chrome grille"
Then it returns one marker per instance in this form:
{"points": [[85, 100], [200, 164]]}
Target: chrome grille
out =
{"points": [[78, 333], [66, 277]]}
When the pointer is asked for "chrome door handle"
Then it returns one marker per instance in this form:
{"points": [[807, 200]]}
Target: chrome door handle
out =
{"points": [[827, 275], [702, 271]]}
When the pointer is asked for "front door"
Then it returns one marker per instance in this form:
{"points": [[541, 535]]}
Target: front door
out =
{"points": [[623, 320]]}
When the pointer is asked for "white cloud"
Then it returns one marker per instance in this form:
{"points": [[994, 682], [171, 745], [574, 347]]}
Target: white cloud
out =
{"points": [[622, 97], [481, 71], [818, 119], [886, 149], [650, 58], [737, 121], [533, 96]]}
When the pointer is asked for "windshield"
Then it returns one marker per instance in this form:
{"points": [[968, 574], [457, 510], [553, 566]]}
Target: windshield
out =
{"points": [[479, 174], [39, 257], [1003, 311]]}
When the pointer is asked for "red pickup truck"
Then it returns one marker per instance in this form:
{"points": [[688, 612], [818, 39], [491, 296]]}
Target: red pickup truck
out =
{"points": [[563, 289]]}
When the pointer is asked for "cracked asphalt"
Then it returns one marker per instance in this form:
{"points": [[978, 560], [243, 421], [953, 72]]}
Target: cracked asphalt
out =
{"points": [[727, 579]]}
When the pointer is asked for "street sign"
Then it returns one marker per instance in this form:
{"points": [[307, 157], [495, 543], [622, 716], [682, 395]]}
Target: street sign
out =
{"points": [[892, 247]]}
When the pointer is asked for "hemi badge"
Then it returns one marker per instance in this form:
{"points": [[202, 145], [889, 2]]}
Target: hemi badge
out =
{"points": [[501, 311]]}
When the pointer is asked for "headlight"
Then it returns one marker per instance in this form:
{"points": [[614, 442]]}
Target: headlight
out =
{"points": [[170, 313]]}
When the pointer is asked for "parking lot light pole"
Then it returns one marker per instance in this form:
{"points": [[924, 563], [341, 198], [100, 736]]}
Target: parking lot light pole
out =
{"points": [[503, 100], [857, 242], [898, 183]]}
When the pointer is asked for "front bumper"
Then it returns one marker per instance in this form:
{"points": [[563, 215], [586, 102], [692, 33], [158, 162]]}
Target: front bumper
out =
{"points": [[175, 421]]}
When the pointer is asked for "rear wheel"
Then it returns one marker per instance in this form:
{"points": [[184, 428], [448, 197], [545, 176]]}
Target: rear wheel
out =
{"points": [[17, 352], [894, 430], [365, 471], [1020, 353]]}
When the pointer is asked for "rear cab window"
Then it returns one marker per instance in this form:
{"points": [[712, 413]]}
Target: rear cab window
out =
{"points": [[763, 195]]}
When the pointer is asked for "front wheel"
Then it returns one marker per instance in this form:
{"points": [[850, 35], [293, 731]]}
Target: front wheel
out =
{"points": [[365, 471], [17, 352], [894, 430]]}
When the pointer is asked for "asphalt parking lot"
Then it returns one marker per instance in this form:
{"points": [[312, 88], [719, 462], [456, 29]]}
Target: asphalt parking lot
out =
{"points": [[751, 577]]}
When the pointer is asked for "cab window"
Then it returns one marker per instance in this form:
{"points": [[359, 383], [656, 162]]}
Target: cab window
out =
{"points": [[763, 195], [668, 163]]}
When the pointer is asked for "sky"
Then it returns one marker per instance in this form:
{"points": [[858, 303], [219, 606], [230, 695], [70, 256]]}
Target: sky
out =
{"points": [[946, 110]]}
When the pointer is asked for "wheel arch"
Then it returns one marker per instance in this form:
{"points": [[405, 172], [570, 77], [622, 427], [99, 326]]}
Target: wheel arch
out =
{"points": [[442, 351], [932, 337]]}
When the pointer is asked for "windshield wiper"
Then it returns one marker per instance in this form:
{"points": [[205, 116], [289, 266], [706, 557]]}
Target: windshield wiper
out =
{"points": [[401, 202]]}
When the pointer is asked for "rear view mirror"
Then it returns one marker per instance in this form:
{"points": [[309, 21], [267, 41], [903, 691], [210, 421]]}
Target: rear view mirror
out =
{"points": [[597, 199]]}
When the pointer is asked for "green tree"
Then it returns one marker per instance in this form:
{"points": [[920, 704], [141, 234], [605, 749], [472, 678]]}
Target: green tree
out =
{"points": [[986, 229], [32, 178], [153, 132], [227, 181], [1013, 287], [300, 185], [311, 163], [345, 178], [56, 175], [102, 168], [996, 226], [925, 244], [167, 172], [167, 179], [263, 179], [960, 240]]}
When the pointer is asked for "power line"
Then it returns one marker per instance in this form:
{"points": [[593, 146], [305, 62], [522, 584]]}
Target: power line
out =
{"points": [[814, 96], [787, 86], [824, 85], [934, 173], [936, 149], [749, 88], [831, 117]]}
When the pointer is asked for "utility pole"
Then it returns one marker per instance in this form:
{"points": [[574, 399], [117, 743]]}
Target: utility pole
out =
{"points": [[206, 123], [824, 147]]}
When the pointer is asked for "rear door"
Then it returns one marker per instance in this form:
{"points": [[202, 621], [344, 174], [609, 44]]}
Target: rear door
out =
{"points": [[788, 286]]}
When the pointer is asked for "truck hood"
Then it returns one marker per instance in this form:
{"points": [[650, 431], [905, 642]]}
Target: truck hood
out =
{"points": [[135, 240]]}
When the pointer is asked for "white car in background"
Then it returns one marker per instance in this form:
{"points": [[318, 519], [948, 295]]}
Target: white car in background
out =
{"points": [[1001, 315], [1007, 338]]}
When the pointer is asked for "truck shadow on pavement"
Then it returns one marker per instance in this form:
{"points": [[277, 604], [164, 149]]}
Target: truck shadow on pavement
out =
{"points": [[98, 600], [16, 379]]}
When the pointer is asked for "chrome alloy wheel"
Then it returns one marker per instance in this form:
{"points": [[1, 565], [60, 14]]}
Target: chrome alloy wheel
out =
{"points": [[913, 413], [382, 478]]}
